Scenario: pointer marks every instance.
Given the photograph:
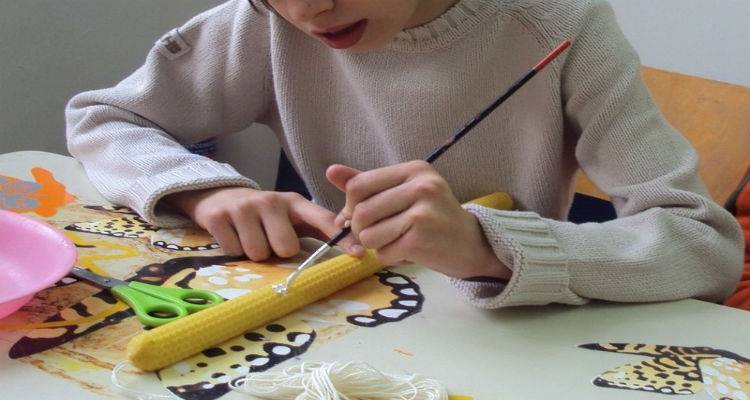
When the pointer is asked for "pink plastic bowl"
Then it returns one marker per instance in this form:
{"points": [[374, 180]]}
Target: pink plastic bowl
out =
{"points": [[33, 256]]}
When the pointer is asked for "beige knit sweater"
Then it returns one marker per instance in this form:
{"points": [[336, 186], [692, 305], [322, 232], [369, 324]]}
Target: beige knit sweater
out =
{"points": [[232, 66]]}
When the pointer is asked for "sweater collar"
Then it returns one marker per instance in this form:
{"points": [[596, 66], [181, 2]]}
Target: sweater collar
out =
{"points": [[455, 23]]}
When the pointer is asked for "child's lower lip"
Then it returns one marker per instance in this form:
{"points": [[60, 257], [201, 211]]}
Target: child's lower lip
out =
{"points": [[345, 38]]}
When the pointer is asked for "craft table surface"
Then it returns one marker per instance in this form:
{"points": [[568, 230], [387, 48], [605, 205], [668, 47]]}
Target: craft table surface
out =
{"points": [[519, 353]]}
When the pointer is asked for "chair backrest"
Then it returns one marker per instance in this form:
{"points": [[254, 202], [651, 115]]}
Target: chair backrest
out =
{"points": [[715, 118]]}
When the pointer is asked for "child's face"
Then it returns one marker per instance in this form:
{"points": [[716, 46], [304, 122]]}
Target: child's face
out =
{"points": [[358, 25]]}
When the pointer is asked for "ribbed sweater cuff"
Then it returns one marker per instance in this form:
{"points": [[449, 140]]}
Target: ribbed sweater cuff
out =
{"points": [[147, 191], [524, 243]]}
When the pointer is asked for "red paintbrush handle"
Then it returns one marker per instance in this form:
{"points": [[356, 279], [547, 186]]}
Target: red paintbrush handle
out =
{"points": [[551, 56]]}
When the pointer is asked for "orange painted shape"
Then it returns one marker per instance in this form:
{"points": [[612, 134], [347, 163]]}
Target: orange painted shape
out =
{"points": [[52, 194], [44, 196]]}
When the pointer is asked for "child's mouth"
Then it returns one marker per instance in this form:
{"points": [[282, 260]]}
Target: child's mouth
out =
{"points": [[346, 36]]}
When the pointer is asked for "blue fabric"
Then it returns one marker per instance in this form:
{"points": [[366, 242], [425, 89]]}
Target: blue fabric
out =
{"points": [[590, 209]]}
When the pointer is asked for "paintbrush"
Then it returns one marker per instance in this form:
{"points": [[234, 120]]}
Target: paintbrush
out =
{"points": [[282, 288]]}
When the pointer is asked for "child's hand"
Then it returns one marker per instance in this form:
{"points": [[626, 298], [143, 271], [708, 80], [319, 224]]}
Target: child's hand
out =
{"points": [[257, 223], [407, 213]]}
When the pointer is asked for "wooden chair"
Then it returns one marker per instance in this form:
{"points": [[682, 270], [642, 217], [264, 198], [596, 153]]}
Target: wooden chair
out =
{"points": [[715, 118]]}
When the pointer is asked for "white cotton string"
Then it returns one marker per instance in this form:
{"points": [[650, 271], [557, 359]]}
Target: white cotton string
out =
{"points": [[338, 381], [134, 393]]}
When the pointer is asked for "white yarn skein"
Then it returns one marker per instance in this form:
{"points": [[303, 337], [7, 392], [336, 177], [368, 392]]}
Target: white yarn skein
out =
{"points": [[131, 393], [354, 380]]}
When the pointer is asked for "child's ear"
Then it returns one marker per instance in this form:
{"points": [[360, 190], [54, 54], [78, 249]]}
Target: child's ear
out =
{"points": [[339, 175]]}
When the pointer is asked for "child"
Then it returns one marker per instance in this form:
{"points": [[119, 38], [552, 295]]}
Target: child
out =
{"points": [[356, 90]]}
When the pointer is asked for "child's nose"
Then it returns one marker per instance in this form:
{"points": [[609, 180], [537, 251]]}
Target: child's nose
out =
{"points": [[305, 10]]}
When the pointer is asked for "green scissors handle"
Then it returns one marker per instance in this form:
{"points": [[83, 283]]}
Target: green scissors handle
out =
{"points": [[156, 305]]}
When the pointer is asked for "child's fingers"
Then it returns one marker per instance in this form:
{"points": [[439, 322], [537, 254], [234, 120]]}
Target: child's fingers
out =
{"points": [[340, 221], [323, 220], [305, 230], [385, 232], [339, 174], [251, 235], [280, 234], [221, 229], [393, 254], [381, 206], [366, 184]]}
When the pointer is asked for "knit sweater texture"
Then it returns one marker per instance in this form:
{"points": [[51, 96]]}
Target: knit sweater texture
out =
{"points": [[232, 66]]}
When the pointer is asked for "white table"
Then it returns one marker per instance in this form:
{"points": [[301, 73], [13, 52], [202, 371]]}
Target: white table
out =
{"points": [[520, 353]]}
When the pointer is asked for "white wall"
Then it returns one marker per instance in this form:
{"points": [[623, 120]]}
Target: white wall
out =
{"points": [[52, 49], [706, 38]]}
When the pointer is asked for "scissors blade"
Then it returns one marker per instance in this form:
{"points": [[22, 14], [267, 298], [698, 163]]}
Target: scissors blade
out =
{"points": [[96, 278]]}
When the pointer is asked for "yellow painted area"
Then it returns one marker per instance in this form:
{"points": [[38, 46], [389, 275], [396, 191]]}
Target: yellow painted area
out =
{"points": [[71, 364], [88, 261], [69, 314], [459, 397]]}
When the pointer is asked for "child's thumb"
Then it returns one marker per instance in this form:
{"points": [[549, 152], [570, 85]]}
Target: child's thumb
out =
{"points": [[339, 175]]}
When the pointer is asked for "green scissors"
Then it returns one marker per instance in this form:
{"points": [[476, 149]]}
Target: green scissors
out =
{"points": [[154, 305]]}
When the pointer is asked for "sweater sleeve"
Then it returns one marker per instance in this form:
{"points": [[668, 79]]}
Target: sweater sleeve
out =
{"points": [[670, 240], [208, 78]]}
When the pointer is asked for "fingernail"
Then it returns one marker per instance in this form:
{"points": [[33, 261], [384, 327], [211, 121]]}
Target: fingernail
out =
{"points": [[341, 221], [357, 250]]}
